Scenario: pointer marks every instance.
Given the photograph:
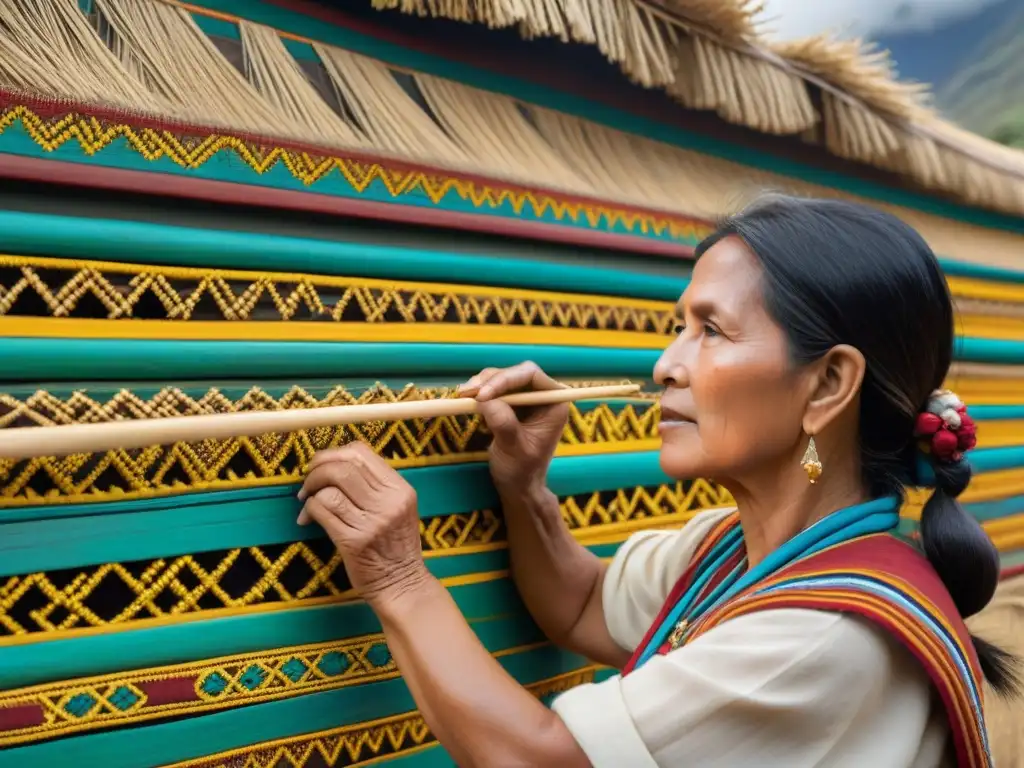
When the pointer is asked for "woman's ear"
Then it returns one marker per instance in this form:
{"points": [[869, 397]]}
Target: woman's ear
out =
{"points": [[837, 383]]}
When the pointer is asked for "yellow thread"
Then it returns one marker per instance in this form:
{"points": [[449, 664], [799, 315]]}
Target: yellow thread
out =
{"points": [[101, 277], [94, 135], [222, 683], [999, 434], [316, 602], [185, 582], [439, 333], [990, 327], [362, 743], [269, 459], [986, 290]]}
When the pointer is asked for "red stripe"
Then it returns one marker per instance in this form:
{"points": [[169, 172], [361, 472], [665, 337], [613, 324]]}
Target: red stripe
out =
{"points": [[173, 690], [682, 585], [892, 558], [149, 183], [24, 716], [717, 578], [1009, 573], [966, 756], [38, 169]]}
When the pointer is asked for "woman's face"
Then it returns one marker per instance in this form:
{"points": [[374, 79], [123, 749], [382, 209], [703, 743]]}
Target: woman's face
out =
{"points": [[733, 403]]}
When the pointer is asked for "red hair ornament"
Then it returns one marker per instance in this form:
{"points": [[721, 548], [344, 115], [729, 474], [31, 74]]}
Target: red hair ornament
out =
{"points": [[944, 429]]}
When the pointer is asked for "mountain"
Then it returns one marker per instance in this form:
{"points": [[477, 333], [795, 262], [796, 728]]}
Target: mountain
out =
{"points": [[975, 66]]}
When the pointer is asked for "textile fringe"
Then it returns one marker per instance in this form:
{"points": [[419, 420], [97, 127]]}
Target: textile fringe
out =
{"points": [[1002, 622], [390, 117], [282, 82], [182, 65], [611, 161], [47, 47], [495, 132]]}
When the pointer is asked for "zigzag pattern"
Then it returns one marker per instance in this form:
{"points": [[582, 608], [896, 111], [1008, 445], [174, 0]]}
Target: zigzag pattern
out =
{"points": [[56, 288], [242, 462], [358, 744], [121, 593], [94, 135]]}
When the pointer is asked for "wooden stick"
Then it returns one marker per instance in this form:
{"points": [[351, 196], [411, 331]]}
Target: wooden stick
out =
{"points": [[67, 439]]}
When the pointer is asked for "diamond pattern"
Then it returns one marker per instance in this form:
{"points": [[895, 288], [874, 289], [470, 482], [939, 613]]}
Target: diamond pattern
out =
{"points": [[294, 669], [334, 663], [215, 684], [81, 704], [124, 698]]}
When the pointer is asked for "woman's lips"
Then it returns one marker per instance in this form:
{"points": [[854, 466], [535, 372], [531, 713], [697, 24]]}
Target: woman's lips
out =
{"points": [[673, 420]]}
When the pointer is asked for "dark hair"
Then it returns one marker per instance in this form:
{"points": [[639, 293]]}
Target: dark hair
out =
{"points": [[837, 272]]}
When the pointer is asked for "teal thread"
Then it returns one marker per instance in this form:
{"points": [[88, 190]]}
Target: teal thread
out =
{"points": [[334, 663], [214, 684], [253, 677], [80, 705], [135, 242], [123, 698], [152, 528], [196, 737], [294, 669], [379, 655]]}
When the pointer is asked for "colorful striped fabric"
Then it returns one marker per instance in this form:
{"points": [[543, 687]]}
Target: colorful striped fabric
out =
{"points": [[880, 578]]}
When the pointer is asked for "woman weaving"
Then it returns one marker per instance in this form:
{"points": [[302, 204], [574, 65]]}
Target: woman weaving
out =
{"points": [[796, 630]]}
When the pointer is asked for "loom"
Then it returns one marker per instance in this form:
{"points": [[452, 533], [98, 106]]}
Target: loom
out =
{"points": [[226, 207]]}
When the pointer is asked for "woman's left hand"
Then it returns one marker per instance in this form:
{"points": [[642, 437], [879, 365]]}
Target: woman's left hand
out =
{"points": [[370, 513]]}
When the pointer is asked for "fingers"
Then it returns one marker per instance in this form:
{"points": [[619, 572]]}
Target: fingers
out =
{"points": [[501, 420], [491, 383], [328, 508], [361, 454], [353, 469], [471, 387]]}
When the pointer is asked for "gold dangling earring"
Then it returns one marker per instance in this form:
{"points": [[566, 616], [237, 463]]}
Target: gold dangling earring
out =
{"points": [[811, 463]]}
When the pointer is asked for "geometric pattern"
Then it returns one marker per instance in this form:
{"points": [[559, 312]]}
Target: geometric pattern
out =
{"points": [[60, 709], [267, 459], [355, 745], [54, 125], [303, 573], [44, 287]]}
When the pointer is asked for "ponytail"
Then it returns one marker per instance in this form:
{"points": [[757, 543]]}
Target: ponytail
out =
{"points": [[955, 544]]}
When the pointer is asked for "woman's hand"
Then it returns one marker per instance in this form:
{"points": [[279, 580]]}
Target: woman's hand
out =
{"points": [[523, 445], [370, 513]]}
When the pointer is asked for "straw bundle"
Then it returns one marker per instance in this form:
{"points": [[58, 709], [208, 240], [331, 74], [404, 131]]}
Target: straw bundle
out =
{"points": [[742, 90], [707, 55]]}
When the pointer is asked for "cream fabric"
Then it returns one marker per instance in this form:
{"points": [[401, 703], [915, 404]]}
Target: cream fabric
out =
{"points": [[784, 688]]}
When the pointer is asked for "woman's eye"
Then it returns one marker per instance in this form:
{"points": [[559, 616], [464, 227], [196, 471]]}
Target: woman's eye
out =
{"points": [[678, 328], [710, 330]]}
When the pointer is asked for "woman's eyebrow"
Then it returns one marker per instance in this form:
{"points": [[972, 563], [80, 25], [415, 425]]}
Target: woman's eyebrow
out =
{"points": [[702, 308]]}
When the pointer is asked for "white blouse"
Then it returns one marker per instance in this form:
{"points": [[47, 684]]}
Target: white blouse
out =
{"points": [[783, 688]]}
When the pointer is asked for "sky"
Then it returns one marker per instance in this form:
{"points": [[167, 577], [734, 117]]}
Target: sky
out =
{"points": [[788, 19]]}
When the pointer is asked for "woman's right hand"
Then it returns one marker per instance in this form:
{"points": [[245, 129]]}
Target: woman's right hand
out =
{"points": [[524, 442]]}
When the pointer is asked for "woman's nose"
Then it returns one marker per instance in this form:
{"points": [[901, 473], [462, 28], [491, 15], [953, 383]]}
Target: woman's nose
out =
{"points": [[670, 370]]}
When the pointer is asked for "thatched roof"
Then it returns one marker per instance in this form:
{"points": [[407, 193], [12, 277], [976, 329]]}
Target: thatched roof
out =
{"points": [[709, 55], [151, 57]]}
